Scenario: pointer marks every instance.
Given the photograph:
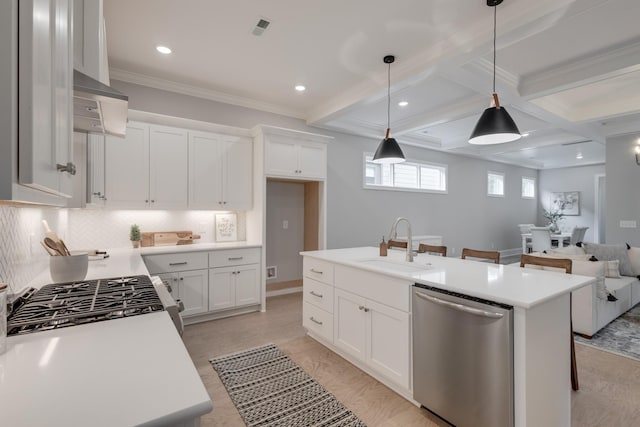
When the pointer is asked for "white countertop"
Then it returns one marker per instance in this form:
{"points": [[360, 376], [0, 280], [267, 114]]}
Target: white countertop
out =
{"points": [[132, 371], [506, 284]]}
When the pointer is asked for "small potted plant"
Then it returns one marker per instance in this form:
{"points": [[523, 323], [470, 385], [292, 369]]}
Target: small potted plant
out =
{"points": [[552, 217], [134, 236]]}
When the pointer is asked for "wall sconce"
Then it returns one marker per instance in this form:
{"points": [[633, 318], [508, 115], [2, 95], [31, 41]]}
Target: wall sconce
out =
{"points": [[637, 152]]}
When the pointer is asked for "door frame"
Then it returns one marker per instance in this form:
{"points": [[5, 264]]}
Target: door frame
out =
{"points": [[596, 210]]}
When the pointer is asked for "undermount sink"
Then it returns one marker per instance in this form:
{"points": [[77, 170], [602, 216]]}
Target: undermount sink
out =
{"points": [[397, 266]]}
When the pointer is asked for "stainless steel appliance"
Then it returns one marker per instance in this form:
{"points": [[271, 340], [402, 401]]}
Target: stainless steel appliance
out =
{"points": [[463, 357], [60, 305]]}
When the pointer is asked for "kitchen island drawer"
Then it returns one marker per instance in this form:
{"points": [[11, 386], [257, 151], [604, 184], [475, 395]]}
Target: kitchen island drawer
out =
{"points": [[229, 257], [166, 263], [317, 321], [318, 270], [318, 294]]}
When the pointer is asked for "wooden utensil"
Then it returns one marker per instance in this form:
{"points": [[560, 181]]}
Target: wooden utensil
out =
{"points": [[49, 250], [53, 245], [53, 236]]}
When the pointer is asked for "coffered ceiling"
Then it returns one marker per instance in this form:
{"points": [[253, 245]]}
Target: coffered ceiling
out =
{"points": [[568, 71]]}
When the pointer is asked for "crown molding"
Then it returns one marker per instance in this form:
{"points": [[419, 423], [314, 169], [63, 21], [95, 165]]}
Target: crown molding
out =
{"points": [[199, 92]]}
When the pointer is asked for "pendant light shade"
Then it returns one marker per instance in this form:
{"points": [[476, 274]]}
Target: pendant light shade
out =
{"points": [[388, 151], [495, 125]]}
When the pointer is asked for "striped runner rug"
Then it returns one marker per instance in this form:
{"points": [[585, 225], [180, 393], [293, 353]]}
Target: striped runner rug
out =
{"points": [[269, 389]]}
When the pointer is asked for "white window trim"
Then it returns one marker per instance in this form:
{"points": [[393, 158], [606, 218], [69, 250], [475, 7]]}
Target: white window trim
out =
{"points": [[409, 190], [504, 181], [535, 187]]}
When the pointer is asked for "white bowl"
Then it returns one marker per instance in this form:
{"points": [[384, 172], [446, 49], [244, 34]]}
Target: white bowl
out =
{"points": [[69, 268]]}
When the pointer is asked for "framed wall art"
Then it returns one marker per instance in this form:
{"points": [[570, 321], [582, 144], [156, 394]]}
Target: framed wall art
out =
{"points": [[226, 227], [567, 202]]}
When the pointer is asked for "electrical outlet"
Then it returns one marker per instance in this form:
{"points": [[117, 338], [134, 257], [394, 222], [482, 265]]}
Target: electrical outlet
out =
{"points": [[272, 272], [285, 224]]}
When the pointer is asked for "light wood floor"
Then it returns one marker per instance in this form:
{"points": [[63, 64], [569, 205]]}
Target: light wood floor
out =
{"points": [[609, 394]]}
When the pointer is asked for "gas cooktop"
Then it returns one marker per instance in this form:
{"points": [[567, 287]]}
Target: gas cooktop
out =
{"points": [[60, 305]]}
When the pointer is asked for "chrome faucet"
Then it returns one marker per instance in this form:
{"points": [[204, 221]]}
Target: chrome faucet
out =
{"points": [[393, 234]]}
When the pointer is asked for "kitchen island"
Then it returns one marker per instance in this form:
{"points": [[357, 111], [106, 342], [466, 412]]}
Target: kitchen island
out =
{"points": [[359, 305], [120, 372]]}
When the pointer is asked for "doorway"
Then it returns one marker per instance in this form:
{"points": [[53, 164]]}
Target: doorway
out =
{"points": [[292, 226]]}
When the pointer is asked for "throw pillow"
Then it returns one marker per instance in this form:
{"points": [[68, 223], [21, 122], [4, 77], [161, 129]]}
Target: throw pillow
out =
{"points": [[611, 253], [592, 269], [634, 257], [611, 269]]}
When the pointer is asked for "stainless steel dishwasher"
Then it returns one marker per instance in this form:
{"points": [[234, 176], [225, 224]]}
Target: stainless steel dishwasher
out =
{"points": [[463, 357]]}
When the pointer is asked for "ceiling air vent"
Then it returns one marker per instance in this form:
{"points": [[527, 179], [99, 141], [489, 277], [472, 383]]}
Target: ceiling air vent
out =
{"points": [[260, 27]]}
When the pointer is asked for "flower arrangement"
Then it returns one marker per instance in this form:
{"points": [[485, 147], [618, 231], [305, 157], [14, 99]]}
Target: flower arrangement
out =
{"points": [[552, 217]]}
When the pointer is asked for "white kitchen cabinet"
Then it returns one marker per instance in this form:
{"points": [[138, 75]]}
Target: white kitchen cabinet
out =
{"points": [[220, 171], [187, 275], [290, 156], [147, 168], [234, 286], [234, 279], [127, 168], [374, 333], [45, 100], [191, 287], [168, 168], [95, 170], [89, 40]]}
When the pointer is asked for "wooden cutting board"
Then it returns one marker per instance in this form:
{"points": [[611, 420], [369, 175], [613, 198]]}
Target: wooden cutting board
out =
{"points": [[168, 238]]}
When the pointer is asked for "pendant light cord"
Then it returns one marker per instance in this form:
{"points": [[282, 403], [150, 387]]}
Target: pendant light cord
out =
{"points": [[495, 14], [389, 96]]}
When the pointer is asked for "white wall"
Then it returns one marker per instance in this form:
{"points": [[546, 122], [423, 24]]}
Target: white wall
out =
{"points": [[623, 189], [580, 179], [285, 202]]}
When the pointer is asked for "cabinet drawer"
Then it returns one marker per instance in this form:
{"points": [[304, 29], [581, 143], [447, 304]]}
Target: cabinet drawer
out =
{"points": [[318, 270], [318, 294], [317, 321], [176, 262], [234, 257]]}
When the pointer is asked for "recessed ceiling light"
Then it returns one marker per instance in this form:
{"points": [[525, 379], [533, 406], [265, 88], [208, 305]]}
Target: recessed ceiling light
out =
{"points": [[403, 103], [301, 88], [163, 49], [525, 134], [579, 156]]}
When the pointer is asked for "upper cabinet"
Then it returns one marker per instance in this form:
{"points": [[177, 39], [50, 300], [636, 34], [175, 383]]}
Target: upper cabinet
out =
{"points": [[220, 171], [45, 104], [90, 40], [147, 168], [294, 154]]}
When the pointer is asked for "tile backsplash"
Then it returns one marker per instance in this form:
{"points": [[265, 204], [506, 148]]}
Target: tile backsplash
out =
{"points": [[22, 257]]}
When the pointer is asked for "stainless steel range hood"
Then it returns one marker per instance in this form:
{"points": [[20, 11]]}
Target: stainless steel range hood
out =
{"points": [[97, 108]]}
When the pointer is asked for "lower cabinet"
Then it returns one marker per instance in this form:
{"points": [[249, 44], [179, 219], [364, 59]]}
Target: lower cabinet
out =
{"points": [[374, 333], [192, 288], [234, 286]]}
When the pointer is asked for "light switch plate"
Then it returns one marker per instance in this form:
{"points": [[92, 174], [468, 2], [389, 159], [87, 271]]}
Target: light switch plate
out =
{"points": [[627, 224]]}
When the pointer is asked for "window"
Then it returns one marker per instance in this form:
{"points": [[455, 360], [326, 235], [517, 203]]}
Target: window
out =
{"points": [[528, 187], [495, 184], [406, 176]]}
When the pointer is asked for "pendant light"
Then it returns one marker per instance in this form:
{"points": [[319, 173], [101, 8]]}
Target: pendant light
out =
{"points": [[495, 125], [388, 151]]}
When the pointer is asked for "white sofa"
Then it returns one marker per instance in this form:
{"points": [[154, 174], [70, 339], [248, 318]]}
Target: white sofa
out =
{"points": [[590, 313]]}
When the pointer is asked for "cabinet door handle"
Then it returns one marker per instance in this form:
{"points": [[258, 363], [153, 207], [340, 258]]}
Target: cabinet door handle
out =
{"points": [[153, 201], [313, 270], [69, 168], [237, 258], [182, 278], [178, 263], [362, 307], [315, 295], [146, 201], [315, 321]]}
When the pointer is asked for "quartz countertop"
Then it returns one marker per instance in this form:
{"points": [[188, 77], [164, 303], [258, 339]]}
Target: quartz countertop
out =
{"points": [[512, 285], [121, 372]]}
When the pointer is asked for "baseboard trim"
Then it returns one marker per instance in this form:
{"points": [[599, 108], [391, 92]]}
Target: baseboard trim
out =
{"points": [[284, 291]]}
